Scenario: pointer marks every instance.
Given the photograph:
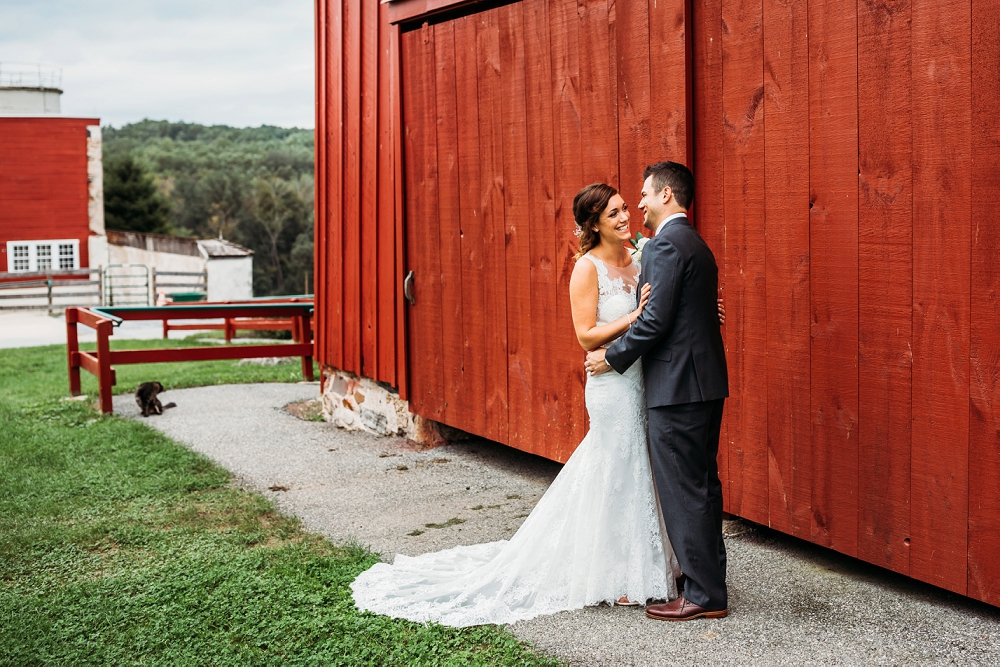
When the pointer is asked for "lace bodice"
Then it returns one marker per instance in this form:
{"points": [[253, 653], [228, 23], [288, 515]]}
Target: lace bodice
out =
{"points": [[616, 290]]}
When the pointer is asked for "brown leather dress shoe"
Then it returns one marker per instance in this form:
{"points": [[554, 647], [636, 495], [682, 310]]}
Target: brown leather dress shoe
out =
{"points": [[682, 610]]}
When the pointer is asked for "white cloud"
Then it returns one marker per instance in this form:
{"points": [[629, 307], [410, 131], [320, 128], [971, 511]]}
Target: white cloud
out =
{"points": [[235, 62]]}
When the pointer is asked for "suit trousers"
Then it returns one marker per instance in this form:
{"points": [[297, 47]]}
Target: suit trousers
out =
{"points": [[683, 445]]}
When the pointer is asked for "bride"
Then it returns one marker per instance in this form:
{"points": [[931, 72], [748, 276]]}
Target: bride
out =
{"points": [[595, 536]]}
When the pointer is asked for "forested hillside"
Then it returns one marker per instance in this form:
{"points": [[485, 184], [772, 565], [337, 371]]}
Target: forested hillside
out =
{"points": [[252, 186]]}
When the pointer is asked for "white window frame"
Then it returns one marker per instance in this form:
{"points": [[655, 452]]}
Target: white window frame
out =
{"points": [[53, 255]]}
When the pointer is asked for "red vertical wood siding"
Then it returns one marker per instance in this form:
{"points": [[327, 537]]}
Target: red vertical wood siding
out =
{"points": [[568, 141], [743, 163], [321, 139], [707, 145], [486, 231], [786, 252], [941, 107], [845, 160], [450, 223], [670, 79], [517, 226], [369, 185], [833, 283], [471, 231], [885, 270], [385, 289], [491, 197], [984, 427], [420, 168], [329, 261], [635, 139], [353, 194], [545, 428], [597, 89], [396, 104], [43, 182]]}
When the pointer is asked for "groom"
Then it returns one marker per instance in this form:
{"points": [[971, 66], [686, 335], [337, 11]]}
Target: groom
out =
{"points": [[684, 368]]}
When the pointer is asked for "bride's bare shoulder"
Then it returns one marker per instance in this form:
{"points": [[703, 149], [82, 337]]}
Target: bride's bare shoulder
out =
{"points": [[583, 288], [584, 270]]}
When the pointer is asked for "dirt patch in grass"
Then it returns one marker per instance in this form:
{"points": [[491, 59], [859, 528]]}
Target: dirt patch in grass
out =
{"points": [[454, 521], [310, 410]]}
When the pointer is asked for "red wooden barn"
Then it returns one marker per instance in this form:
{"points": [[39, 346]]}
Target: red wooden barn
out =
{"points": [[846, 156], [46, 193]]}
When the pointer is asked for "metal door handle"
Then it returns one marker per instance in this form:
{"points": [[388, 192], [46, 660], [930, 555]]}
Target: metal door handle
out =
{"points": [[408, 288]]}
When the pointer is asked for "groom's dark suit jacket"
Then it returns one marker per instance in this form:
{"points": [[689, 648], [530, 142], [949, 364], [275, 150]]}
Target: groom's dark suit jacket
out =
{"points": [[677, 335]]}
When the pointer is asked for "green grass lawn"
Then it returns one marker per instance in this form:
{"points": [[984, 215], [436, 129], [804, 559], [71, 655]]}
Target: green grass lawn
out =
{"points": [[119, 546]]}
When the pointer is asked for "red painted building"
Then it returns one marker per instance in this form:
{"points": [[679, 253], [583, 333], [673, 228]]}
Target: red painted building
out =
{"points": [[846, 159], [46, 217]]}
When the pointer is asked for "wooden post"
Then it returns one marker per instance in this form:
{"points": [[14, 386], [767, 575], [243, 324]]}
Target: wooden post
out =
{"points": [[304, 329], [48, 280], [72, 350], [229, 329], [105, 378], [166, 328]]}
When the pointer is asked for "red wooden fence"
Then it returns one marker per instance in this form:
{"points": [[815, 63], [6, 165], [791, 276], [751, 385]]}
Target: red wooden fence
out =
{"points": [[104, 320], [846, 158]]}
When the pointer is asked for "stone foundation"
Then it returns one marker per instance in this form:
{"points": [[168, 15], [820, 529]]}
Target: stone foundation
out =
{"points": [[359, 404]]}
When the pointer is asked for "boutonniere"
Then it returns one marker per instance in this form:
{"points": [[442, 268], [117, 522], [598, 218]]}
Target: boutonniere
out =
{"points": [[637, 244]]}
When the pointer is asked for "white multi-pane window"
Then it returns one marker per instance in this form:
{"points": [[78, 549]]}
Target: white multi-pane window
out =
{"points": [[25, 256], [43, 256], [20, 253], [67, 255]]}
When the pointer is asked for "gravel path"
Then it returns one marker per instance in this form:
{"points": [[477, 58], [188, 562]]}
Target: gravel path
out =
{"points": [[791, 603], [352, 486]]}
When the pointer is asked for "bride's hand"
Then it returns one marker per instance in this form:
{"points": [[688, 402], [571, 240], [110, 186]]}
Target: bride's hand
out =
{"points": [[643, 300]]}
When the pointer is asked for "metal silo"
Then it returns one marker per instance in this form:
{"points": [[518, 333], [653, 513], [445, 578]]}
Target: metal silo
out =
{"points": [[29, 89]]}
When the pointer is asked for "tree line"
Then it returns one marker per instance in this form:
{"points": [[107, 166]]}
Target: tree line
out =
{"points": [[252, 186]]}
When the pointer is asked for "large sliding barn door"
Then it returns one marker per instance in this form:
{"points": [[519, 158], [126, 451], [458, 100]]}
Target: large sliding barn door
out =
{"points": [[499, 136]]}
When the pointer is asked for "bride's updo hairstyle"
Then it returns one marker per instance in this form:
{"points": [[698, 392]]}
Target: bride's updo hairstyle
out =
{"points": [[588, 204]]}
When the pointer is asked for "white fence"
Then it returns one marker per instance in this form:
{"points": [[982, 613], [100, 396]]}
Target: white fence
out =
{"points": [[115, 285], [52, 291]]}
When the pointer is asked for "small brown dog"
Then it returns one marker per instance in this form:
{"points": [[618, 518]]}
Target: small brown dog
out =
{"points": [[146, 398]]}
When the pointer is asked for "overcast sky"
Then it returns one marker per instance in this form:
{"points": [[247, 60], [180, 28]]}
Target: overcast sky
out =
{"points": [[233, 62]]}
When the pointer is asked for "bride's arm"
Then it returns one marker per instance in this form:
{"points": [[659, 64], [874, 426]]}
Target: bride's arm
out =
{"points": [[583, 294]]}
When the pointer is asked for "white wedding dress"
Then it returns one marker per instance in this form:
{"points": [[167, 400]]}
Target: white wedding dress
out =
{"points": [[594, 536]]}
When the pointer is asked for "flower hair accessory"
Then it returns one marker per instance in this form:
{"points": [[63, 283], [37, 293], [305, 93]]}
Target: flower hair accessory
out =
{"points": [[578, 231]]}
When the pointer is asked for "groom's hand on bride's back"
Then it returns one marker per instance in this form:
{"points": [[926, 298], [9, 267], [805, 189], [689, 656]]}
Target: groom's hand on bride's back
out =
{"points": [[722, 313], [595, 363]]}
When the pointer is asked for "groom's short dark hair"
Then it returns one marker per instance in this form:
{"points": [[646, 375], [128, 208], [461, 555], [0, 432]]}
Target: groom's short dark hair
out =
{"points": [[674, 175]]}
